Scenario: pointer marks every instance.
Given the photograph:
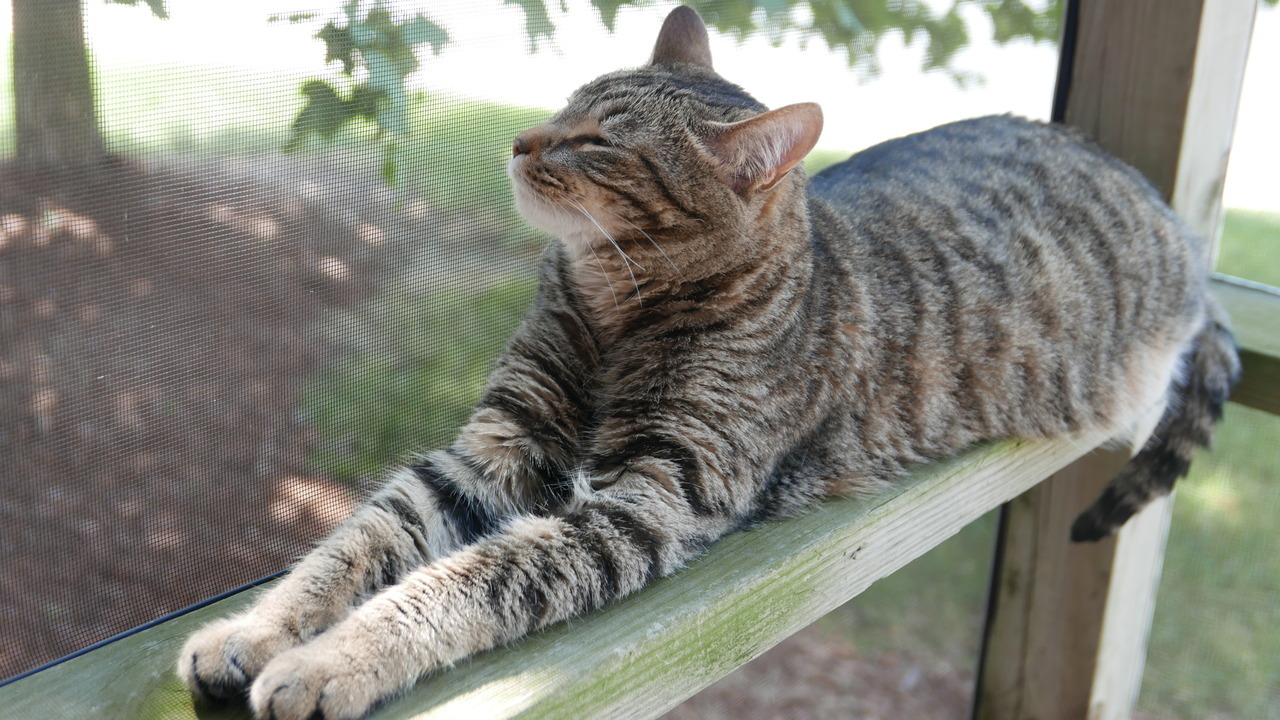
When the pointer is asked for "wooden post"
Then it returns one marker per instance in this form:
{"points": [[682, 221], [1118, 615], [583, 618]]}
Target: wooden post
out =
{"points": [[1157, 83]]}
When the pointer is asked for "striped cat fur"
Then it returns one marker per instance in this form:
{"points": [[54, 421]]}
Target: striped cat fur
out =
{"points": [[718, 341]]}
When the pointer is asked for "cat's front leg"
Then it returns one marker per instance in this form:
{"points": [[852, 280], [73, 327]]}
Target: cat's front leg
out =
{"points": [[508, 460], [535, 572], [423, 513], [398, 530]]}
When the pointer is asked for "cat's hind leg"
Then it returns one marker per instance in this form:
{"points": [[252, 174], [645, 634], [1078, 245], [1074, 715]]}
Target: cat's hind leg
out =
{"points": [[397, 530], [1195, 398]]}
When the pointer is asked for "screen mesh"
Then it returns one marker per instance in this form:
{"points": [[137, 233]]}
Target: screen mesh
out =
{"points": [[210, 347]]}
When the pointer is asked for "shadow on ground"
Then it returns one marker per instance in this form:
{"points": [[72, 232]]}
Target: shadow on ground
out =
{"points": [[156, 327]]}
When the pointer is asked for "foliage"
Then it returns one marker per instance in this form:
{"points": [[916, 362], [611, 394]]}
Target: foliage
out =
{"points": [[857, 26], [374, 44], [157, 6], [383, 48]]}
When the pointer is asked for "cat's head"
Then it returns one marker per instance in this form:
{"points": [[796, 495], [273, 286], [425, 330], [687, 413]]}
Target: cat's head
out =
{"points": [[668, 150]]}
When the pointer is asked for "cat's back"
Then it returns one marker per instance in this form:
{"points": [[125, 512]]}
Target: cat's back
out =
{"points": [[1008, 274], [1019, 199], [990, 163]]}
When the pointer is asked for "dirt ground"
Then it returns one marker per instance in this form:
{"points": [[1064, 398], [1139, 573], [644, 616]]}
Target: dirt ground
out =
{"points": [[815, 676], [156, 327]]}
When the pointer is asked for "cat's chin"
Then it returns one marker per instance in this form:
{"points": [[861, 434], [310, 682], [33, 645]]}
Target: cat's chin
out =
{"points": [[565, 224]]}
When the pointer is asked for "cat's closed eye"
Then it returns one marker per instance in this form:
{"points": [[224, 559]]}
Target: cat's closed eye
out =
{"points": [[590, 141]]}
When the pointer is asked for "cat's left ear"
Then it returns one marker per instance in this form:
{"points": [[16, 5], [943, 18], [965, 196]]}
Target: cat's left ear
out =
{"points": [[758, 153], [682, 39]]}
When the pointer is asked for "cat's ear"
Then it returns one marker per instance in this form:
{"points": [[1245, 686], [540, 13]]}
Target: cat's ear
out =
{"points": [[756, 154], [683, 39]]}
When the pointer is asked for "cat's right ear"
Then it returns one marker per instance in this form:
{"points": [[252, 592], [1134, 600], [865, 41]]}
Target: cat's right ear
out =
{"points": [[683, 39], [757, 154]]}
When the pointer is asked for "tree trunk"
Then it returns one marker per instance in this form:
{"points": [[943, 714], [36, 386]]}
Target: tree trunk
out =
{"points": [[56, 121]]}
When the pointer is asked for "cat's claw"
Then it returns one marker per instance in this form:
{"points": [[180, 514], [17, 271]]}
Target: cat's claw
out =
{"points": [[313, 682], [220, 661]]}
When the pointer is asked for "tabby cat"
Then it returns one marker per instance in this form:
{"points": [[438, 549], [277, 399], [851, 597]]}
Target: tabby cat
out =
{"points": [[718, 341]]}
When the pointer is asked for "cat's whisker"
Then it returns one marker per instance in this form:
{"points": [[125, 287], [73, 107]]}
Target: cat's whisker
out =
{"points": [[606, 233], [626, 259], [651, 241], [608, 281]]}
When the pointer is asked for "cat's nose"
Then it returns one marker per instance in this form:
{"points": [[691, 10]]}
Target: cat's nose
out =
{"points": [[530, 141]]}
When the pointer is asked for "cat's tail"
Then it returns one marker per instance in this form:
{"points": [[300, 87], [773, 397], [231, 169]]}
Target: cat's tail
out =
{"points": [[1195, 405]]}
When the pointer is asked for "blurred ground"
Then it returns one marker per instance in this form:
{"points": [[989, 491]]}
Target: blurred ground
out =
{"points": [[815, 675], [156, 327]]}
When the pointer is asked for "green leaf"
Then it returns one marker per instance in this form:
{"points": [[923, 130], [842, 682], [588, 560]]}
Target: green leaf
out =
{"points": [[421, 30], [363, 102], [737, 19], [338, 45], [946, 37], [389, 165], [157, 6], [608, 10], [387, 78], [352, 10], [386, 49], [773, 9], [848, 18], [537, 23], [323, 114]]}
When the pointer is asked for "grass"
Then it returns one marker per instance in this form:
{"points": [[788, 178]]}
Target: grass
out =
{"points": [[1215, 641], [1250, 246], [221, 113], [457, 156], [414, 366]]}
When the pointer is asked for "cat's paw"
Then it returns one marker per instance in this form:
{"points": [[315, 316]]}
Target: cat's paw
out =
{"points": [[220, 660], [319, 681]]}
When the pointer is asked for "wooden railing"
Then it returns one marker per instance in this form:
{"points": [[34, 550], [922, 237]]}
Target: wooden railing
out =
{"points": [[1153, 80]]}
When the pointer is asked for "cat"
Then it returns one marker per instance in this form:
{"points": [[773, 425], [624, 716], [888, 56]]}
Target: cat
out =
{"points": [[718, 341]]}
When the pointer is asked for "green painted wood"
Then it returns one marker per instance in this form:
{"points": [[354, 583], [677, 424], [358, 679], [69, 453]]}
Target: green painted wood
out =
{"points": [[133, 678], [638, 657], [1255, 318]]}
